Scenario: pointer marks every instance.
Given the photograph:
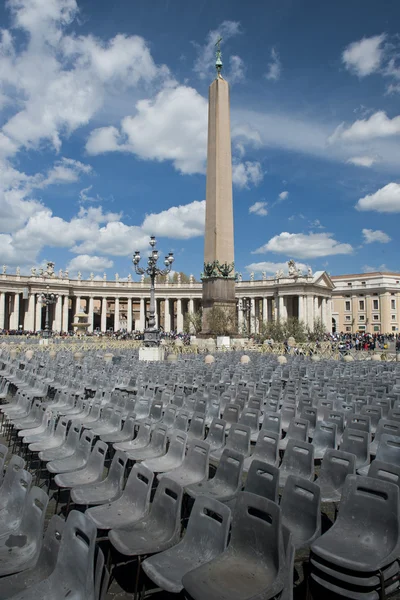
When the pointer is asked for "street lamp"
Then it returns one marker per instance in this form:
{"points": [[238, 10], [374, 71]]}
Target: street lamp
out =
{"points": [[47, 299], [151, 334]]}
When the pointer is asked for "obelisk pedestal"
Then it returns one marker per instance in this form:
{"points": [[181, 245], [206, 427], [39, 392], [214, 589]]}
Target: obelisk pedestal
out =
{"points": [[219, 267]]}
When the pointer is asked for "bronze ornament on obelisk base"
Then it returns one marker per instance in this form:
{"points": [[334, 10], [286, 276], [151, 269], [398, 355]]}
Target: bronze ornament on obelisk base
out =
{"points": [[219, 268]]}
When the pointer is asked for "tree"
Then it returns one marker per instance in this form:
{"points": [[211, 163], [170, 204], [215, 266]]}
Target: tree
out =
{"points": [[280, 331], [184, 278], [222, 320], [193, 322], [318, 331]]}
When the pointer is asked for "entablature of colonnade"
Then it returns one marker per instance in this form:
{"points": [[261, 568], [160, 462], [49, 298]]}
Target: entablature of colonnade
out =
{"points": [[320, 283]]}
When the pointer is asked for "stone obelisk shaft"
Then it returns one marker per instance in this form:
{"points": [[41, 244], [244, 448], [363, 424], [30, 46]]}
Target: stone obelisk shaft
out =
{"points": [[218, 276], [218, 242]]}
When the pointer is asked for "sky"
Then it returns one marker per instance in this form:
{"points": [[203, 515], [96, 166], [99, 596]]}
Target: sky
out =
{"points": [[104, 131]]}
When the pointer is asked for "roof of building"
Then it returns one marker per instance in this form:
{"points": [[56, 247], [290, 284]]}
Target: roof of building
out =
{"points": [[365, 275]]}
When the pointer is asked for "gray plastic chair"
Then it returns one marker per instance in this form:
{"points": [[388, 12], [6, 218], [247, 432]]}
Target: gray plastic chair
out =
{"points": [[359, 423], [181, 421], [251, 417], [227, 481], [301, 510], [73, 576], [238, 439], [52, 441], [110, 426], [335, 467], [272, 422], [132, 506], [384, 426], [159, 529], [154, 449], [325, 437], [253, 565], [388, 452], [78, 460], [231, 415], [356, 441], [20, 549], [173, 458], [13, 494], [14, 584], [105, 491], [297, 430], [125, 435], [332, 416], [197, 427], [298, 460], [288, 412], [194, 468], [140, 441], [91, 473], [369, 519], [287, 592], [67, 448], [205, 538], [266, 449], [374, 413], [263, 480], [309, 414], [216, 434]]}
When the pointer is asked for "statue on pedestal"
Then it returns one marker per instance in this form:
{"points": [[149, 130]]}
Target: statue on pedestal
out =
{"points": [[18, 271], [240, 277], [116, 277], [309, 272], [105, 276], [91, 276], [252, 276], [60, 274], [4, 269], [129, 277], [33, 272], [292, 269], [79, 275], [279, 274], [264, 276]]}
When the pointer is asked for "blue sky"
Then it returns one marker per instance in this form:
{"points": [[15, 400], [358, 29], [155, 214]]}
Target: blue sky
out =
{"points": [[104, 129]]}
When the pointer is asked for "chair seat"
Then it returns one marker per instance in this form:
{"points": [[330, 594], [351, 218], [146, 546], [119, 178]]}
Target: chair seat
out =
{"points": [[115, 515], [142, 538]]}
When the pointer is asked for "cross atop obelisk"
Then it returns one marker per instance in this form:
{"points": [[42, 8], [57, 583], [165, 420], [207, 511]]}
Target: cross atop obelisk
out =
{"points": [[219, 268]]}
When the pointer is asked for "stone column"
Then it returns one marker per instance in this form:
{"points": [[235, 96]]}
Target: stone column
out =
{"points": [[301, 308], [29, 321], [116, 314], [179, 315], [142, 317], [167, 315], [252, 315], [2, 309], [282, 308], [156, 313], [329, 314], [65, 316], [129, 315], [15, 313], [38, 318], [103, 315], [265, 309], [240, 315], [317, 310], [58, 314], [90, 313], [310, 312]]}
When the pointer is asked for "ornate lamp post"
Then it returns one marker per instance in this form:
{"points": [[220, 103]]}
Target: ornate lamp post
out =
{"points": [[47, 299], [151, 333]]}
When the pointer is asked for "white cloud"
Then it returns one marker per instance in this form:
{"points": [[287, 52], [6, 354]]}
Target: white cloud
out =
{"points": [[364, 56], [362, 161], [236, 69], [66, 170], [205, 61], [370, 269], [103, 139], [273, 267], [247, 173], [283, 195], [259, 208], [302, 245], [274, 67], [178, 222], [386, 199], [377, 125], [88, 264], [371, 236]]}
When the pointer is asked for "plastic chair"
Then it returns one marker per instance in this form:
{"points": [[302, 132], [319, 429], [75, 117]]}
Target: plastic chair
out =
{"points": [[216, 434], [78, 460], [197, 427], [154, 449], [298, 460], [105, 491], [173, 458], [132, 506], [205, 538], [287, 592], [52, 441], [301, 510], [388, 452], [14, 584], [309, 414], [13, 494], [335, 467], [91, 473], [125, 435], [227, 481], [67, 448], [263, 480], [272, 422], [253, 565], [356, 441], [238, 439], [20, 549], [194, 468], [385, 471], [251, 418], [140, 441], [384, 426], [73, 576], [297, 430], [266, 449], [157, 531], [324, 438]]}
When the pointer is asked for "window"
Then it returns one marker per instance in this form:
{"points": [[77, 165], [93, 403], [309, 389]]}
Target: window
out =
{"points": [[393, 317], [361, 327], [376, 327], [361, 317], [349, 283], [348, 317], [347, 305], [363, 283], [376, 317], [375, 304], [348, 328], [394, 328], [393, 304], [361, 304]]}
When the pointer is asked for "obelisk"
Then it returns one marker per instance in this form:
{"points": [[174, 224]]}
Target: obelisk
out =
{"points": [[219, 267]]}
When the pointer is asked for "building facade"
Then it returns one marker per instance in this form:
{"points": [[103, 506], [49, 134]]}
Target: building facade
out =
{"points": [[115, 305], [367, 302]]}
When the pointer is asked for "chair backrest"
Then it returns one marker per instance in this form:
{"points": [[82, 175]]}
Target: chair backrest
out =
{"points": [[169, 415], [230, 468], [263, 480], [75, 563], [359, 422], [129, 426], [389, 449], [231, 413], [298, 429], [197, 425], [167, 504], [156, 410], [138, 486], [332, 416], [301, 507], [116, 472], [216, 433], [16, 485], [97, 457], [181, 420], [385, 471], [386, 426], [144, 432], [34, 515], [239, 439], [335, 467], [208, 528], [267, 446], [272, 422], [197, 456], [73, 436], [325, 435], [159, 437], [299, 458], [356, 442]]}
